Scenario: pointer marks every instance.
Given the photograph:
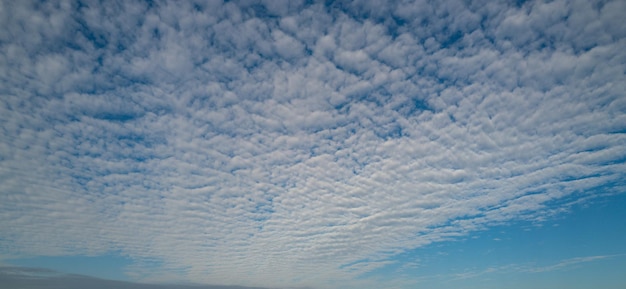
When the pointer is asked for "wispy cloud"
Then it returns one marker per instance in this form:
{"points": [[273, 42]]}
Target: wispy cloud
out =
{"points": [[263, 144], [569, 263]]}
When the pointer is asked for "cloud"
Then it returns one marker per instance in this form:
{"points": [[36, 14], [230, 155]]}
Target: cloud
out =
{"points": [[565, 264], [561, 265], [264, 144]]}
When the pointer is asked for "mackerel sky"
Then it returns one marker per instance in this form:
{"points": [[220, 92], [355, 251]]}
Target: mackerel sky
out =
{"points": [[321, 145]]}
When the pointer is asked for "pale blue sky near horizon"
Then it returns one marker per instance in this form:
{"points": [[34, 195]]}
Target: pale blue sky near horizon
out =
{"points": [[577, 250], [313, 144]]}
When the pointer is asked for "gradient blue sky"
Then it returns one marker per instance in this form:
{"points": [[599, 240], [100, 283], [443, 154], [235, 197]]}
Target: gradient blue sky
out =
{"points": [[295, 144]]}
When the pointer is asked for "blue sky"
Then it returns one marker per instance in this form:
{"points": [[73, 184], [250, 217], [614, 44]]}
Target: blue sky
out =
{"points": [[305, 144]]}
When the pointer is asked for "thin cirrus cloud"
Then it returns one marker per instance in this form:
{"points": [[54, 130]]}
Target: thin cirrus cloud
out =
{"points": [[561, 265], [287, 144]]}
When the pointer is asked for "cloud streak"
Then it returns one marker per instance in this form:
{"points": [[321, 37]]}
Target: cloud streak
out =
{"points": [[274, 145], [565, 264], [562, 265]]}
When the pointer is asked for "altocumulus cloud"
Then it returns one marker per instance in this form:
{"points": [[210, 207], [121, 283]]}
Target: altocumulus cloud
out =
{"points": [[285, 143]]}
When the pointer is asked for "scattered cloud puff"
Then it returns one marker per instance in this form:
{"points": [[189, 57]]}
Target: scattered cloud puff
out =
{"points": [[298, 144]]}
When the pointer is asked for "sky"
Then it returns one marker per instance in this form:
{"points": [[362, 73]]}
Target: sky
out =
{"points": [[313, 144]]}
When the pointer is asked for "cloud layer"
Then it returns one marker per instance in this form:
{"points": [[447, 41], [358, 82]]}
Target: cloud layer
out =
{"points": [[280, 144]]}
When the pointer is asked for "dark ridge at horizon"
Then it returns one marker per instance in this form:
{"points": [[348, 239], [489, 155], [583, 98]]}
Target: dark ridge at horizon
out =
{"points": [[42, 278]]}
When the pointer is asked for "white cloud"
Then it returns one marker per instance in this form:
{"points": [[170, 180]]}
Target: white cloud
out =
{"points": [[565, 264], [561, 265], [235, 148]]}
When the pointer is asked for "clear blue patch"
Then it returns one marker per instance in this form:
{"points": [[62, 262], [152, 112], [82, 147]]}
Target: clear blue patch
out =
{"points": [[595, 228], [116, 116], [452, 39]]}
